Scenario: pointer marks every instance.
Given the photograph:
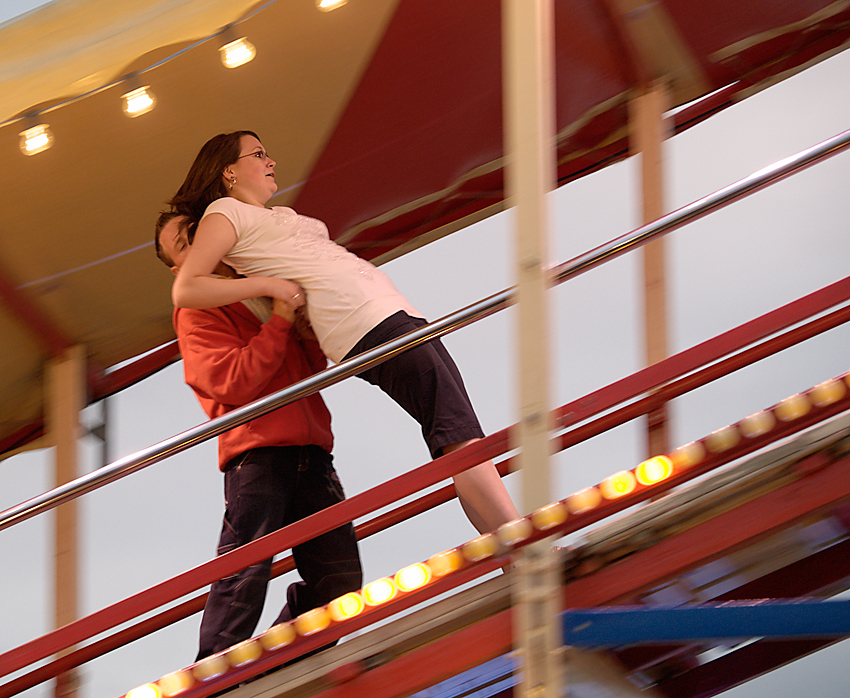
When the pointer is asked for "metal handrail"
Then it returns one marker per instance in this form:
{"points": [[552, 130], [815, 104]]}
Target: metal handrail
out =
{"points": [[702, 207], [461, 318], [678, 374]]}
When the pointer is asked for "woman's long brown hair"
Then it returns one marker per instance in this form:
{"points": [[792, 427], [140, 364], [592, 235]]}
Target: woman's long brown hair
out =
{"points": [[204, 183]]}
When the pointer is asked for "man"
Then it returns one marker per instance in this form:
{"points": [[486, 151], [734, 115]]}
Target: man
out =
{"points": [[277, 468]]}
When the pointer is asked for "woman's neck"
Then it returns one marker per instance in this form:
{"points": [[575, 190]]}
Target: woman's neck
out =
{"points": [[245, 200]]}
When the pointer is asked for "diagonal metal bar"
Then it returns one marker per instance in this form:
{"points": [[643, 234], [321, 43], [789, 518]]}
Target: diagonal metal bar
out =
{"points": [[252, 553], [702, 207], [353, 508], [185, 440], [821, 489], [810, 576], [51, 337], [569, 438], [734, 668]]}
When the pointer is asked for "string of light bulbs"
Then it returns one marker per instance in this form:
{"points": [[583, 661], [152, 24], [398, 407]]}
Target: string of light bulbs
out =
{"points": [[138, 99]]}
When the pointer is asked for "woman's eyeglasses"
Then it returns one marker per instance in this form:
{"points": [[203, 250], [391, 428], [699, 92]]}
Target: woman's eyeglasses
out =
{"points": [[259, 154]]}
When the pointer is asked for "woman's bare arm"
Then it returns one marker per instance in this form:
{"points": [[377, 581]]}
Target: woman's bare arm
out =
{"points": [[195, 288]]}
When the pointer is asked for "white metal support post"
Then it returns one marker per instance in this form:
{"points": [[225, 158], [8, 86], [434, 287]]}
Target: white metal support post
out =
{"points": [[65, 398], [649, 130], [528, 60]]}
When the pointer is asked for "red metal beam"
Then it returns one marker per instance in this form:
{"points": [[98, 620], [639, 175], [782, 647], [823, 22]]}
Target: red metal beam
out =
{"points": [[805, 577], [636, 68], [491, 446], [711, 350], [737, 667], [431, 664], [710, 540], [825, 487], [573, 412], [54, 341], [317, 641], [113, 381], [102, 385], [23, 436], [268, 546], [697, 379], [275, 659], [590, 404], [196, 604]]}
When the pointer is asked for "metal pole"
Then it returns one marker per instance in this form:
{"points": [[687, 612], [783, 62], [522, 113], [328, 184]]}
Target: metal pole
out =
{"points": [[450, 323], [530, 174]]}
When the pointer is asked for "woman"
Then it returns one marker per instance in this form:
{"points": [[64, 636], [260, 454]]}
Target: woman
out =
{"points": [[352, 305]]}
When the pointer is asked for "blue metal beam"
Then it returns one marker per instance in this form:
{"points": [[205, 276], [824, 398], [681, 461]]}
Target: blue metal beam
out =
{"points": [[484, 681], [614, 626]]}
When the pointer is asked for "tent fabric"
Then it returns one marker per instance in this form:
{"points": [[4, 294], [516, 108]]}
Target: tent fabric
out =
{"points": [[70, 47], [384, 118], [697, 47]]}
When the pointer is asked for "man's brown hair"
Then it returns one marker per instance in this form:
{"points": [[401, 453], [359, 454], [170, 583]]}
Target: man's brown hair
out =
{"points": [[162, 220]]}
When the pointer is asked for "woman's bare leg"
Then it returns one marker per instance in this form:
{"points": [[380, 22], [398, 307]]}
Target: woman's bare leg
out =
{"points": [[483, 495]]}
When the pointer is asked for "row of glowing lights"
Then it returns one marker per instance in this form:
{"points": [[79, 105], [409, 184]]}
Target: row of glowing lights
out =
{"points": [[509, 535], [138, 100], [406, 580]]}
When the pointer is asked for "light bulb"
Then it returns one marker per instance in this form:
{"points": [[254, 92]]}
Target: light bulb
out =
{"points": [[346, 606], [378, 592], [278, 636], [757, 424], [688, 455], [175, 683], [481, 548], [828, 392], [445, 562], [792, 408], [617, 485], [311, 622], [515, 532], [722, 440], [584, 500], [149, 690], [138, 101], [36, 139], [237, 52], [413, 577], [654, 470], [328, 5], [549, 516], [210, 667], [245, 652]]}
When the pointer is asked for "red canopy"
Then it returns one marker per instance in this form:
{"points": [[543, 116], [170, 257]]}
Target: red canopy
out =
{"points": [[384, 117]]}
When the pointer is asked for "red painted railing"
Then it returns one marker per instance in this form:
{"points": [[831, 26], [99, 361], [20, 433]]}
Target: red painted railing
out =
{"points": [[673, 376], [621, 401]]}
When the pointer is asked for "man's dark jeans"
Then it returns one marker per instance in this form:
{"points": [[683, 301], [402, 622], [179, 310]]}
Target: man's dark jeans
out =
{"points": [[266, 489]]}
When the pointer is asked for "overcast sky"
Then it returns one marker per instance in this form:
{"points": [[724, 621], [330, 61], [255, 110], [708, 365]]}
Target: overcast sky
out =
{"points": [[11, 9], [739, 263]]}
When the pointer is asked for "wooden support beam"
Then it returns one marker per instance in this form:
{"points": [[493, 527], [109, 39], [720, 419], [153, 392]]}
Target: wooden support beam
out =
{"points": [[649, 130], [65, 399], [530, 173]]}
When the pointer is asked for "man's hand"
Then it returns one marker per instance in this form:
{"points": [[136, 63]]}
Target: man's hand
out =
{"points": [[283, 309], [285, 290], [286, 298], [303, 326]]}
